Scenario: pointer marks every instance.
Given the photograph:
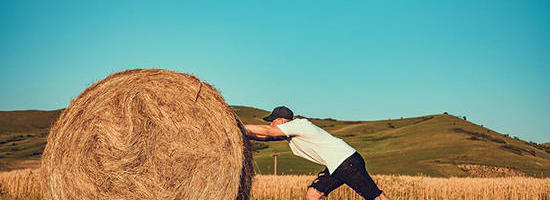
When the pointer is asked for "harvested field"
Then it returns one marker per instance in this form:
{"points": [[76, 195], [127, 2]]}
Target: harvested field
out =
{"points": [[397, 187], [23, 184], [411, 187]]}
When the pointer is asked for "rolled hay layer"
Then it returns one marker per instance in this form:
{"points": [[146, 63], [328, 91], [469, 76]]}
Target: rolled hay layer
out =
{"points": [[147, 134]]}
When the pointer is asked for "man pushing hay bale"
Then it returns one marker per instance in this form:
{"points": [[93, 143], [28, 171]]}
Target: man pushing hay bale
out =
{"points": [[147, 134]]}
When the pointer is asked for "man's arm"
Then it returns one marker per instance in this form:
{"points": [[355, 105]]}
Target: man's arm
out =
{"points": [[265, 138], [264, 130]]}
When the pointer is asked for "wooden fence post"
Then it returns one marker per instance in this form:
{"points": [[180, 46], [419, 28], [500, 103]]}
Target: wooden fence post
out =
{"points": [[275, 163]]}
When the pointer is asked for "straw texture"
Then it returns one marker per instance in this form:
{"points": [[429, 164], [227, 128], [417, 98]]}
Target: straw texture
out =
{"points": [[147, 134]]}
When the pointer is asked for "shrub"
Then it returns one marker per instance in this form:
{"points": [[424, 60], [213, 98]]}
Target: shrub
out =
{"points": [[257, 146], [13, 139], [517, 150], [481, 135], [512, 148]]}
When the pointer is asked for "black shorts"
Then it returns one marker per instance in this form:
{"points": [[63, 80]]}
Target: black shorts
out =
{"points": [[352, 172]]}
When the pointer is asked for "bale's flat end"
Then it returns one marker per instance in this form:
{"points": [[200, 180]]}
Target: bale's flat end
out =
{"points": [[147, 134]]}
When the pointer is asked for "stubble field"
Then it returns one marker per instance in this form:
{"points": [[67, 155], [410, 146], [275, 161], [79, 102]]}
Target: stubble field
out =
{"points": [[24, 184]]}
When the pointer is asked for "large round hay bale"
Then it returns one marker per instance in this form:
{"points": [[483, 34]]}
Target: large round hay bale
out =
{"points": [[147, 134]]}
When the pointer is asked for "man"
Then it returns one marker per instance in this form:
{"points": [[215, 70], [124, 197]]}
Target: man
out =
{"points": [[343, 163]]}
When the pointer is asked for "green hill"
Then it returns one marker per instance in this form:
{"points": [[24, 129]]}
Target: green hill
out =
{"points": [[434, 145]]}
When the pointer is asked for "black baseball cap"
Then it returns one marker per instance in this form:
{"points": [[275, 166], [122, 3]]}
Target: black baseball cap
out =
{"points": [[280, 112]]}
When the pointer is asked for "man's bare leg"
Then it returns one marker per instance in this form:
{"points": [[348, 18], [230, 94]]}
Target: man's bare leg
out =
{"points": [[382, 197], [313, 194]]}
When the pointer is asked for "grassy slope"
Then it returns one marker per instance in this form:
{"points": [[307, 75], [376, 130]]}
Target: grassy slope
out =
{"points": [[23, 136], [33, 121], [430, 145]]}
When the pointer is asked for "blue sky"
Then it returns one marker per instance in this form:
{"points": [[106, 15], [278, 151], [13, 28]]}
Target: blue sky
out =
{"points": [[362, 60]]}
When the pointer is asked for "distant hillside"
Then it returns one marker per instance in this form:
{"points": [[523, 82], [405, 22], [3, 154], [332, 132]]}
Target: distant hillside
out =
{"points": [[27, 121], [434, 145], [23, 137]]}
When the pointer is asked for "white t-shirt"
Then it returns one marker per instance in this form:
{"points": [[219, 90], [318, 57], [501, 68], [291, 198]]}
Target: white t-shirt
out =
{"points": [[315, 144]]}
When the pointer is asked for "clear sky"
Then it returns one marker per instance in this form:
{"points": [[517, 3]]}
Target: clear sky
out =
{"points": [[362, 60]]}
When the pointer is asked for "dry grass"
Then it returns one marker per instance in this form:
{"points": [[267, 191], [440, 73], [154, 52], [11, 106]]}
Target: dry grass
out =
{"points": [[20, 184], [411, 187], [24, 184], [147, 134], [489, 171]]}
